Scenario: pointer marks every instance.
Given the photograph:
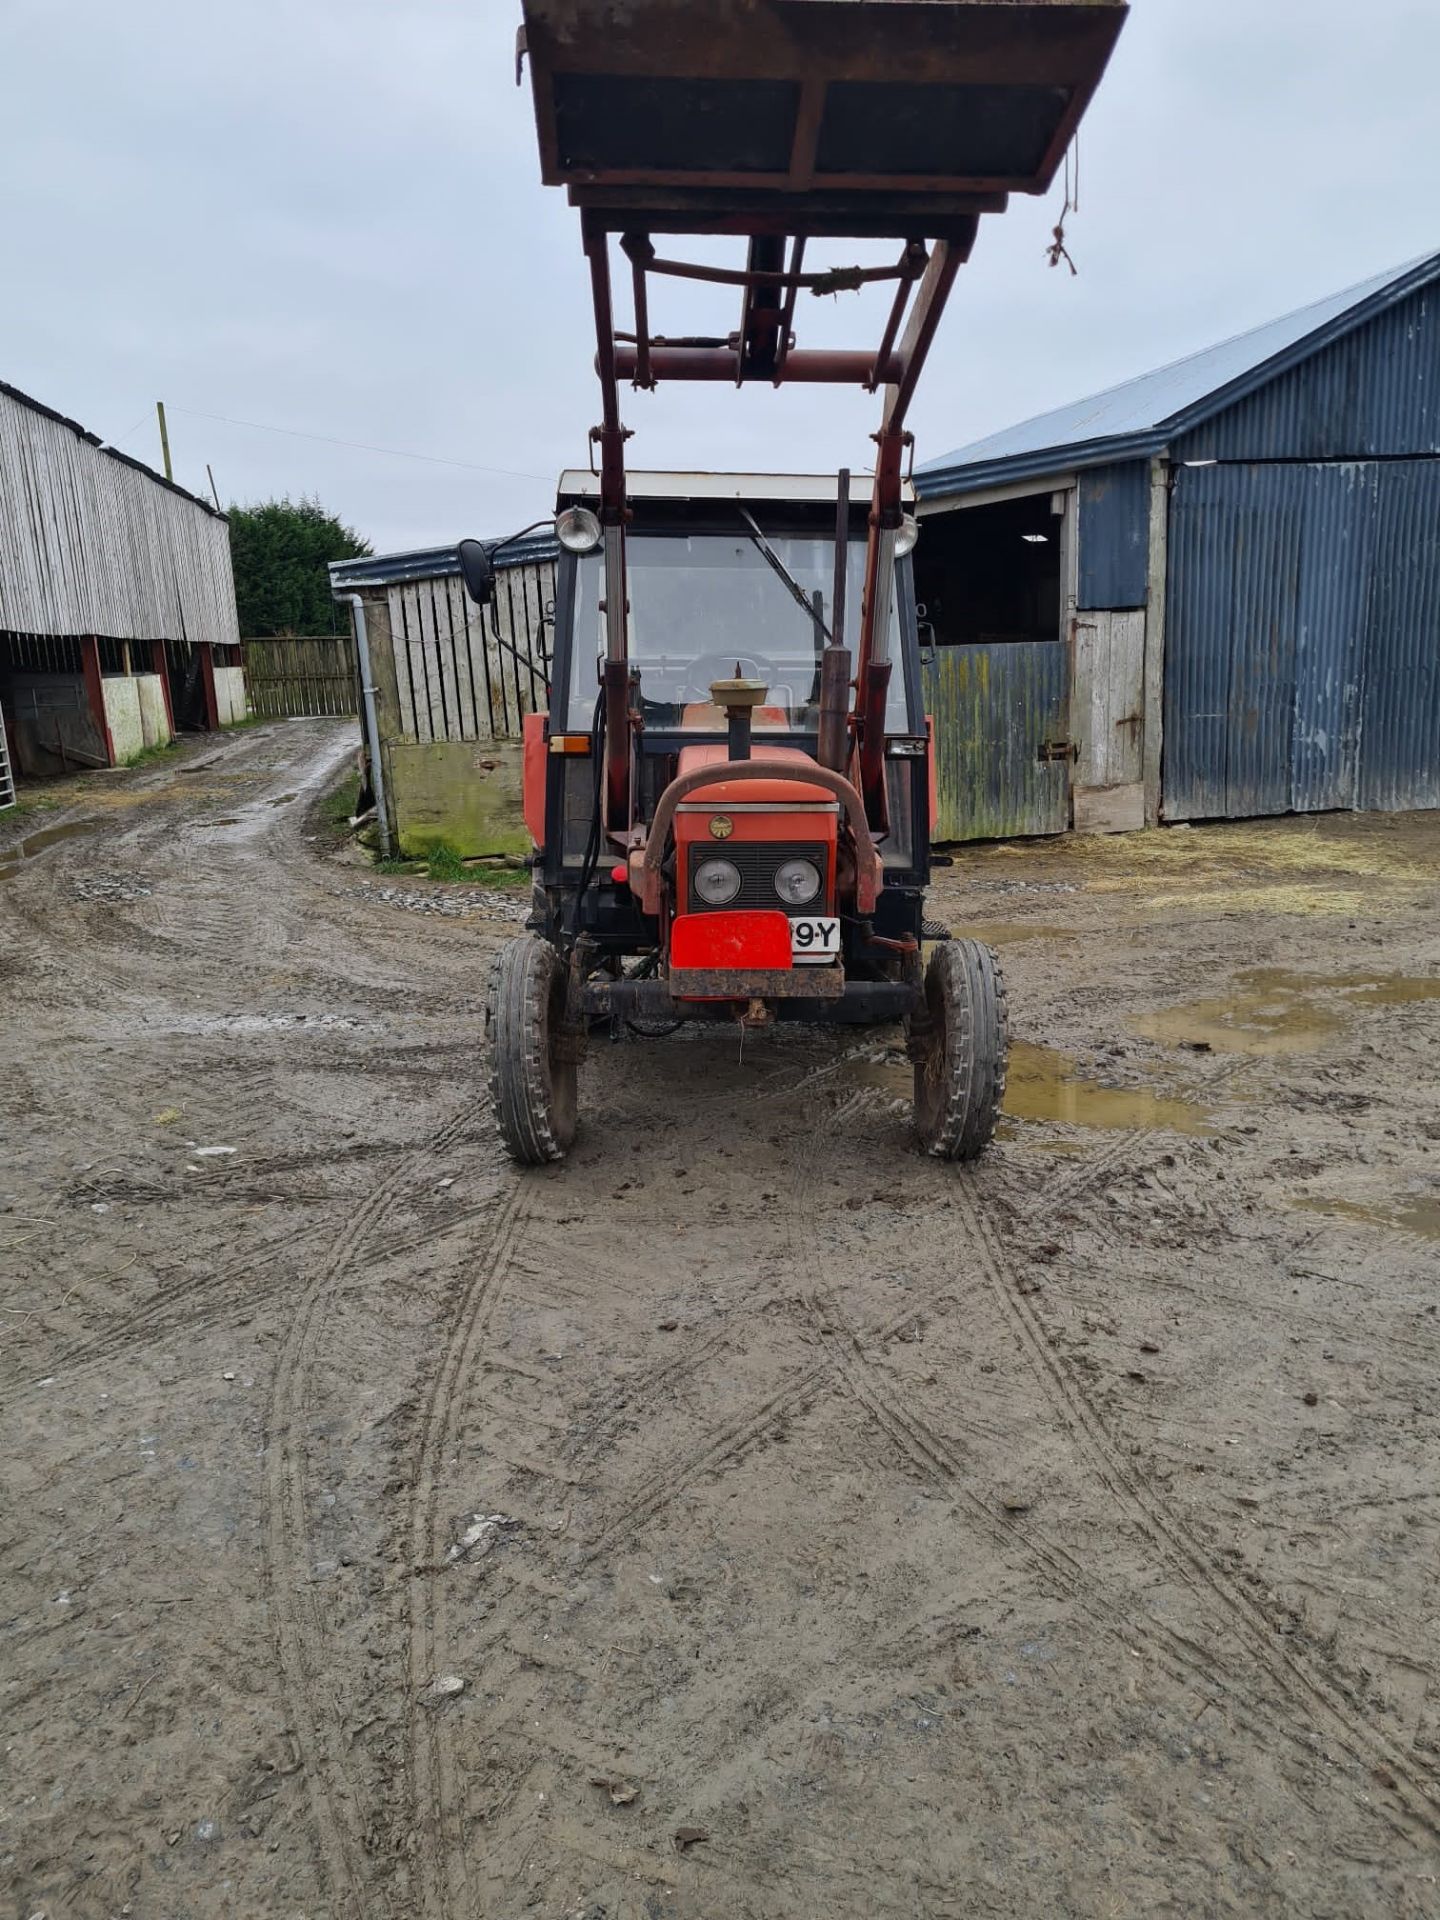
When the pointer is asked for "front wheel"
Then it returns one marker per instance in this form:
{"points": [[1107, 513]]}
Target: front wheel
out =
{"points": [[533, 1055], [959, 1046]]}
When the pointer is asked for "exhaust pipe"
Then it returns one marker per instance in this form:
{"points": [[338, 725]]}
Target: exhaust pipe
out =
{"points": [[832, 745]]}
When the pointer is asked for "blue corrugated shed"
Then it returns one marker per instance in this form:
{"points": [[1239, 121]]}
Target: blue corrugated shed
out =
{"points": [[1400, 715], [1375, 393], [434, 563], [1145, 416], [1302, 621], [1114, 551], [1302, 669]]}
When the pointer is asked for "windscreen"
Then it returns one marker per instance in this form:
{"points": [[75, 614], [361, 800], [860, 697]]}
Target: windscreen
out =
{"points": [[700, 604]]}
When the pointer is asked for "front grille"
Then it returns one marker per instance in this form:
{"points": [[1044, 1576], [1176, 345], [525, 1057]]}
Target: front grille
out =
{"points": [[758, 861]]}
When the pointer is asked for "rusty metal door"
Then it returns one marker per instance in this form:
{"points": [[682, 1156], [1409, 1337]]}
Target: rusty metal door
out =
{"points": [[1002, 748]]}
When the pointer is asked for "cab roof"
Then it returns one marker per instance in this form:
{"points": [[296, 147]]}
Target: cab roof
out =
{"points": [[578, 484]]}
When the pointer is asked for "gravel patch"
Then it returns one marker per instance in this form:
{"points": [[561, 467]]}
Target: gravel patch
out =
{"points": [[111, 886], [451, 903]]}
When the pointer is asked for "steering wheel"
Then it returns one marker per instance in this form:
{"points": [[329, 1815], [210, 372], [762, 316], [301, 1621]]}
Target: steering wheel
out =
{"points": [[721, 666]]}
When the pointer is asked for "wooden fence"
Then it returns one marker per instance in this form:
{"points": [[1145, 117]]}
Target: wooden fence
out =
{"points": [[302, 674], [464, 672]]}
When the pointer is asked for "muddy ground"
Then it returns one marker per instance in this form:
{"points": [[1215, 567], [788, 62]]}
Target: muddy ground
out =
{"points": [[750, 1518]]}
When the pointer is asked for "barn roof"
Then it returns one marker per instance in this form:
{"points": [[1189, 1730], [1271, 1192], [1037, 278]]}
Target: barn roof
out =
{"points": [[1139, 417], [437, 563]]}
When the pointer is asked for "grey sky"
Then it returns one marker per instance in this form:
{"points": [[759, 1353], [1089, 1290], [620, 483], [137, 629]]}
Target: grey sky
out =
{"points": [[325, 215]]}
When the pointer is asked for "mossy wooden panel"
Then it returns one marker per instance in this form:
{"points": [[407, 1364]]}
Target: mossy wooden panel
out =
{"points": [[464, 793]]}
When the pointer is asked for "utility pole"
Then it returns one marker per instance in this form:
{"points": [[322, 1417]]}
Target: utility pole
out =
{"points": [[164, 438]]}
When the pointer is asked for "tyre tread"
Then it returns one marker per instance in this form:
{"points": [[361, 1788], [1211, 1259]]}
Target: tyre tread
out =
{"points": [[517, 1023], [968, 977]]}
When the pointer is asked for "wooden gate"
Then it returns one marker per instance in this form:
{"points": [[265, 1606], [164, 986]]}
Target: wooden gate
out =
{"points": [[302, 674]]}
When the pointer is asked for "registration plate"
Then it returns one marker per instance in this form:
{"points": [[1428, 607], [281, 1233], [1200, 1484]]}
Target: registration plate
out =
{"points": [[814, 941]]}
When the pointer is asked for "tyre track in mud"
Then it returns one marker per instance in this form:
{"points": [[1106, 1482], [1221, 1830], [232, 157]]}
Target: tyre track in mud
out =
{"points": [[436, 1787], [335, 1806], [934, 1456], [184, 1308], [1181, 1657], [250, 900], [1186, 1556], [1126, 1151], [660, 1488], [584, 1446], [437, 1784]]}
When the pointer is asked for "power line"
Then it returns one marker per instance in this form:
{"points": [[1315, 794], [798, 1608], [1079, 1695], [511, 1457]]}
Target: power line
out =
{"points": [[361, 446]]}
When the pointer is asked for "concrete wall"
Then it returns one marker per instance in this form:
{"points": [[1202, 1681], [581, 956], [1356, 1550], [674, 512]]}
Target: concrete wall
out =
{"points": [[154, 721], [122, 716], [230, 694]]}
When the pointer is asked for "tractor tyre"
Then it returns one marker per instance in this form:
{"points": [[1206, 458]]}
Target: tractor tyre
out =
{"points": [[959, 1046], [534, 1058]]}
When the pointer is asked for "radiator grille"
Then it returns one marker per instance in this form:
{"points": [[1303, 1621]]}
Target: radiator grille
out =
{"points": [[758, 861]]}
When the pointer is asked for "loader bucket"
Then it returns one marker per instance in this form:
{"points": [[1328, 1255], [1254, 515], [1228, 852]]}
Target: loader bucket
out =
{"points": [[663, 102]]}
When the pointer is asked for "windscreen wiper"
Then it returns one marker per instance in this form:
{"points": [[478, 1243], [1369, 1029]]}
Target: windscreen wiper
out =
{"points": [[798, 593]]}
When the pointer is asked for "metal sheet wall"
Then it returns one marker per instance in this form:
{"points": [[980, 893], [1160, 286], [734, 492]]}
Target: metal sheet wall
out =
{"points": [[1302, 658], [459, 678], [1375, 392], [1400, 707], [1114, 535], [92, 544], [994, 707]]}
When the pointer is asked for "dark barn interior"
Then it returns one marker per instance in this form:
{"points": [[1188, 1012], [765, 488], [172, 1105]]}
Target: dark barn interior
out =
{"points": [[991, 573]]}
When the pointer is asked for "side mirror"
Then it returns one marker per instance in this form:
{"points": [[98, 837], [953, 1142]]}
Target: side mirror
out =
{"points": [[477, 570]]}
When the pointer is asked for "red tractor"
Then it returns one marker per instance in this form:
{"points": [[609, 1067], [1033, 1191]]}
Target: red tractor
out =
{"points": [[731, 793]]}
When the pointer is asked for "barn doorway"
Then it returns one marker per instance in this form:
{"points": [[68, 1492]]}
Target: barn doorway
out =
{"points": [[995, 662]]}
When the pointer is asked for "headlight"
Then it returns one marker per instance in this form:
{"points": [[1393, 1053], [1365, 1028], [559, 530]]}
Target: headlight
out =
{"points": [[578, 530], [908, 536], [797, 881], [717, 882]]}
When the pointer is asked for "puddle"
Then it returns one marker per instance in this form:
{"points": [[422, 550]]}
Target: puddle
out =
{"points": [[13, 858], [1413, 1216], [284, 799], [1276, 1010], [1045, 1085]]}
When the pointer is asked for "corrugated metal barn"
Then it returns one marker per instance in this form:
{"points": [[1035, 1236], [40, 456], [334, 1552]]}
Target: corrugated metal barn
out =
{"points": [[453, 683], [1213, 592], [117, 604]]}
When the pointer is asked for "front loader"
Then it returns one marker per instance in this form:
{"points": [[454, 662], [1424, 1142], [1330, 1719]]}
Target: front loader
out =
{"points": [[732, 790]]}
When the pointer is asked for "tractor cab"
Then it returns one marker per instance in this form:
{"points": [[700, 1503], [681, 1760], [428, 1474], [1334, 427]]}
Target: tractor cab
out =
{"points": [[729, 794], [736, 596]]}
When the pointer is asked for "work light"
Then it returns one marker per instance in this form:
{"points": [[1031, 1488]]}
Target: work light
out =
{"points": [[578, 530], [908, 536]]}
